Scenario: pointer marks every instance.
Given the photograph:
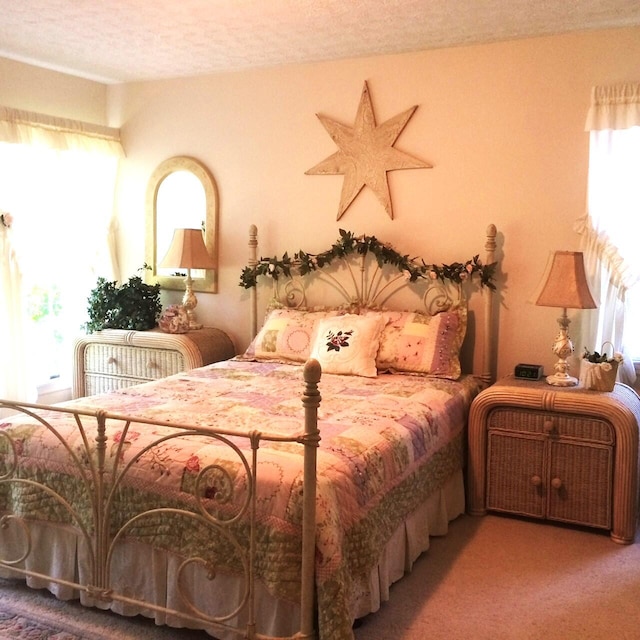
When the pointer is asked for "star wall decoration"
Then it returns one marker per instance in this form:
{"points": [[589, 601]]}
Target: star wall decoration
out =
{"points": [[366, 153]]}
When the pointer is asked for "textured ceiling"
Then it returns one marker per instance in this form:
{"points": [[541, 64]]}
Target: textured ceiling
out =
{"points": [[127, 40]]}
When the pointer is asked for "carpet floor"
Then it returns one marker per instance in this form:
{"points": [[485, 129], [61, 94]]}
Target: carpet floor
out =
{"points": [[490, 578], [30, 614], [501, 578]]}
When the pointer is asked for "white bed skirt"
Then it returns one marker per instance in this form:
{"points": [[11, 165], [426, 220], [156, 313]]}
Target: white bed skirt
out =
{"points": [[57, 552]]}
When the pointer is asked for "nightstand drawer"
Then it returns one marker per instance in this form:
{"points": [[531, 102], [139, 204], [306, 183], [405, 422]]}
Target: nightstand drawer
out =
{"points": [[132, 362], [551, 424], [116, 358], [95, 383]]}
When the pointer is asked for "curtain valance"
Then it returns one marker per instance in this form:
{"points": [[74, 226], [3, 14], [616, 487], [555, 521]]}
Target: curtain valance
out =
{"points": [[614, 107], [25, 127]]}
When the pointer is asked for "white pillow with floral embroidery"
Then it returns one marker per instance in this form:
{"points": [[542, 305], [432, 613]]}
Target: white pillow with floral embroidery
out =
{"points": [[348, 344]]}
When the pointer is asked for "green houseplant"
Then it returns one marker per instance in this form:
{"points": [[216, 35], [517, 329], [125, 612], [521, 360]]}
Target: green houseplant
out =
{"points": [[132, 305]]}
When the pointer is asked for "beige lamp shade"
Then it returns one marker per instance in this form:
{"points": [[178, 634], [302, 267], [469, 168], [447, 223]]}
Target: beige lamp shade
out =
{"points": [[188, 251], [564, 283]]}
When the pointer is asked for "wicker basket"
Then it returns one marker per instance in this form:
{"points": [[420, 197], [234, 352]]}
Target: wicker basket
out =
{"points": [[599, 376]]}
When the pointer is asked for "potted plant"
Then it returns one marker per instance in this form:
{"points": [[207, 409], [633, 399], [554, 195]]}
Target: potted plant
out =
{"points": [[132, 305], [598, 371]]}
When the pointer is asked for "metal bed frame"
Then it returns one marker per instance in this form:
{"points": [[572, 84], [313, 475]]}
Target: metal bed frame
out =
{"points": [[101, 481]]}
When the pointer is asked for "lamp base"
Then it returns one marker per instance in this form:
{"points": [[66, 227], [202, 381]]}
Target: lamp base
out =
{"points": [[190, 302], [563, 348], [562, 380]]}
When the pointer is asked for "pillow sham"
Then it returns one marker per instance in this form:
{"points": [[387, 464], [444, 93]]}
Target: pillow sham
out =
{"points": [[286, 335], [419, 343], [348, 344]]}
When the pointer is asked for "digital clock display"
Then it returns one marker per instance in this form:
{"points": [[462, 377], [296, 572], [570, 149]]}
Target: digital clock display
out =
{"points": [[529, 371]]}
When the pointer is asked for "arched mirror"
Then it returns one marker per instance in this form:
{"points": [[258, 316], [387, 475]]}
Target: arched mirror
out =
{"points": [[181, 193]]}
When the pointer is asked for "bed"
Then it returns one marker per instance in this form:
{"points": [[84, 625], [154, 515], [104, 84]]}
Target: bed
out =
{"points": [[234, 497]]}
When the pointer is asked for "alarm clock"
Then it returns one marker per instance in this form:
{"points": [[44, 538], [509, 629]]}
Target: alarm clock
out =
{"points": [[529, 371]]}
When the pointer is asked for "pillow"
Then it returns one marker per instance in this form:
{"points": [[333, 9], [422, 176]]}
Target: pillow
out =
{"points": [[420, 343], [286, 335], [348, 344]]}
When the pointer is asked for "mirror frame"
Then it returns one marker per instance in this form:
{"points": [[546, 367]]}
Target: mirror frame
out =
{"points": [[208, 284]]}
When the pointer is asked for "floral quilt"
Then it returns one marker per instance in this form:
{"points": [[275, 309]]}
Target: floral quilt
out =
{"points": [[386, 444]]}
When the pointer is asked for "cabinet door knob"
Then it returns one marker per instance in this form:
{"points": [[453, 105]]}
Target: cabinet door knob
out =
{"points": [[536, 481], [548, 427], [112, 360], [556, 483], [152, 364]]}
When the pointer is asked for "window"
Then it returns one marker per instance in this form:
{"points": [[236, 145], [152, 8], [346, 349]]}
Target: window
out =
{"points": [[61, 205], [612, 222], [60, 202]]}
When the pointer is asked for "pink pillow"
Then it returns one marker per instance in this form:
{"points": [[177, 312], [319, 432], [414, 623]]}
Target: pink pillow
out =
{"points": [[419, 343]]}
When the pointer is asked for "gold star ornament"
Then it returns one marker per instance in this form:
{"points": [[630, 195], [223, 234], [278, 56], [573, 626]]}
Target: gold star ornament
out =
{"points": [[366, 153]]}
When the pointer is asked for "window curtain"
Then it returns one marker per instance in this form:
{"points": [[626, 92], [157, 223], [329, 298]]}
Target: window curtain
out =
{"points": [[58, 188], [15, 383], [613, 209]]}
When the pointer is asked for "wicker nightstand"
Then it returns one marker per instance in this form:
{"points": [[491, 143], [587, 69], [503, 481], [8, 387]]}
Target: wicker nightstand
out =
{"points": [[558, 453], [115, 358]]}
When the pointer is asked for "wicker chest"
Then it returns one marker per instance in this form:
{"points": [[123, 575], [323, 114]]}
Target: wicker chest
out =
{"points": [[114, 358], [556, 453]]}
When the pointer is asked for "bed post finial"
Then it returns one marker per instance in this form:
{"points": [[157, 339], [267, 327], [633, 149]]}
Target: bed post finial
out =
{"points": [[253, 238], [490, 244]]}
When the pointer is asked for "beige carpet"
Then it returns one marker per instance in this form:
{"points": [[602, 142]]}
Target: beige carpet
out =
{"points": [[35, 614], [491, 578], [498, 578]]}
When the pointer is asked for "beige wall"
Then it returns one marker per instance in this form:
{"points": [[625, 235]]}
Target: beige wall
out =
{"points": [[501, 123], [23, 86]]}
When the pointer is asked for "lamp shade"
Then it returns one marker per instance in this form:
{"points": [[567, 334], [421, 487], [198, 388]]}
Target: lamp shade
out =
{"points": [[564, 283], [188, 251]]}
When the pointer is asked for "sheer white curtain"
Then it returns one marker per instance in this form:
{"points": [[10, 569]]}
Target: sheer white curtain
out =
{"points": [[58, 184], [14, 385], [611, 225]]}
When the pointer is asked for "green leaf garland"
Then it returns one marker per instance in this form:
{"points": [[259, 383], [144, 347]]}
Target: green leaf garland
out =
{"points": [[303, 263]]}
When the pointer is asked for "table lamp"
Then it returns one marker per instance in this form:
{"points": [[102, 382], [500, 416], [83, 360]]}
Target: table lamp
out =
{"points": [[564, 285], [188, 251]]}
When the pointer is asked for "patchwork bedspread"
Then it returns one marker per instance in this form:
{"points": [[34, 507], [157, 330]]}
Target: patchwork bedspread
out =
{"points": [[387, 444]]}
